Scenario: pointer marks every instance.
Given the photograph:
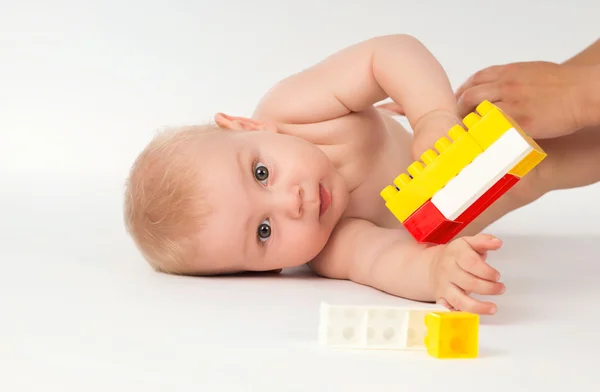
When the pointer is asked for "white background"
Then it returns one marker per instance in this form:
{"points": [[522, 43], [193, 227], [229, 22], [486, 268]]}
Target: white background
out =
{"points": [[84, 85]]}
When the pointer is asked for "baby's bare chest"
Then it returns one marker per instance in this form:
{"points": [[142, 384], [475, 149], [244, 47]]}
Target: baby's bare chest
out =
{"points": [[378, 163]]}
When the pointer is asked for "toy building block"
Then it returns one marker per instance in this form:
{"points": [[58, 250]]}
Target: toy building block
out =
{"points": [[489, 123], [452, 334], [374, 327], [439, 332], [429, 175], [435, 204], [487, 199], [485, 170], [429, 225]]}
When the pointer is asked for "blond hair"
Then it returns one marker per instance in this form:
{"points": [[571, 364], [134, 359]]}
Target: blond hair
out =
{"points": [[164, 207]]}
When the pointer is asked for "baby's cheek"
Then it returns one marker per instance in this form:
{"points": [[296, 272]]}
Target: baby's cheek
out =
{"points": [[319, 238], [309, 241]]}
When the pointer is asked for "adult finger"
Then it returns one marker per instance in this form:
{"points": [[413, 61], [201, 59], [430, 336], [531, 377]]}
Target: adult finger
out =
{"points": [[511, 110], [473, 96], [486, 75], [462, 302]]}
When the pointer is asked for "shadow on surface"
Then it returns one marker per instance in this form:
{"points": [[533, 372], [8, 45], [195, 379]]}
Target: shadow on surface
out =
{"points": [[296, 273], [488, 353], [541, 273]]}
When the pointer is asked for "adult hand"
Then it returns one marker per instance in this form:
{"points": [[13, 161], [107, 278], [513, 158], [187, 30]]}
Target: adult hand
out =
{"points": [[546, 99]]}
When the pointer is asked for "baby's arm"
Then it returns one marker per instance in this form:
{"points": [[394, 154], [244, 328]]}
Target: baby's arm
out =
{"points": [[390, 261], [394, 66]]}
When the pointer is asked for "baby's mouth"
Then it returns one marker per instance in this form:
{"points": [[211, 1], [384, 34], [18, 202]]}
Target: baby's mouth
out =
{"points": [[324, 198]]}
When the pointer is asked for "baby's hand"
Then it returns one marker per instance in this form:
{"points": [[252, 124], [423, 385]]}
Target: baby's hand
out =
{"points": [[428, 129], [460, 269]]}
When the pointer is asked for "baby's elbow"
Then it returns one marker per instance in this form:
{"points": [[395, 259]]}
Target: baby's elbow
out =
{"points": [[397, 40]]}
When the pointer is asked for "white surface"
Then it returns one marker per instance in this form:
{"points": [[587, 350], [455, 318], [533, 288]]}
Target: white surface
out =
{"points": [[481, 174], [82, 88]]}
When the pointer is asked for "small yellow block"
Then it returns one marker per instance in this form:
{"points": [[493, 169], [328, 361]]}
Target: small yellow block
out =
{"points": [[452, 334], [489, 122], [431, 174]]}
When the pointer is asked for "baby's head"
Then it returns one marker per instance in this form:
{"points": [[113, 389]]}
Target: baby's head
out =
{"points": [[233, 197]]}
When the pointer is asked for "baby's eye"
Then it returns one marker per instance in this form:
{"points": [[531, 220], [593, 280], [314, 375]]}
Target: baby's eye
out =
{"points": [[264, 230], [261, 173]]}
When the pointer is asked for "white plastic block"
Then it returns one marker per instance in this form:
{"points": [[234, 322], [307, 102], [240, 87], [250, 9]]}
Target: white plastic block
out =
{"points": [[373, 327], [479, 176]]}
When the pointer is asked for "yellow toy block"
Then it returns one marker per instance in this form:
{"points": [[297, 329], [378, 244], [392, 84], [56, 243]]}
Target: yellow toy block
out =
{"points": [[452, 334], [489, 122], [432, 174]]}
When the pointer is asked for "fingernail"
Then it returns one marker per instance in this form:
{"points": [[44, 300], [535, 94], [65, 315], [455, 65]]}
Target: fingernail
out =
{"points": [[503, 290], [493, 310]]}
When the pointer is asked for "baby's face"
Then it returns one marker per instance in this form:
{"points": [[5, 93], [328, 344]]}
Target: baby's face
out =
{"points": [[275, 200]]}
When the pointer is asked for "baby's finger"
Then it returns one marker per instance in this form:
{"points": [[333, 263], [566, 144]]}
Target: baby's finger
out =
{"points": [[444, 303], [481, 243], [473, 284], [473, 263], [462, 302], [473, 96]]}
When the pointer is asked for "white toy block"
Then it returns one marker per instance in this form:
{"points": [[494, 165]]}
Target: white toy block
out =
{"points": [[373, 327], [479, 176]]}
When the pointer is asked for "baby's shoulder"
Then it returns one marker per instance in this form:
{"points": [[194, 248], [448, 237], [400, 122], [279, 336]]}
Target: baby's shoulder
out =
{"points": [[364, 129]]}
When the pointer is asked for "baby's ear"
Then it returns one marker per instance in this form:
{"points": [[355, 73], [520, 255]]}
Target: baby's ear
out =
{"points": [[238, 123]]}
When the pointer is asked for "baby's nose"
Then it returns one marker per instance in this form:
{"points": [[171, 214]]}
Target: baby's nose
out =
{"points": [[290, 202]]}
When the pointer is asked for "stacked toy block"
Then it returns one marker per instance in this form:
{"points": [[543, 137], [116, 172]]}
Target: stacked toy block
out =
{"points": [[443, 334], [462, 176]]}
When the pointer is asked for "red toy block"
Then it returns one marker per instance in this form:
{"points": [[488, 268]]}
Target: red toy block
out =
{"points": [[426, 222], [428, 225]]}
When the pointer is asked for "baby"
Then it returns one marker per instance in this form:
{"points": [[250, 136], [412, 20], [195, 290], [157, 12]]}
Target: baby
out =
{"points": [[300, 182]]}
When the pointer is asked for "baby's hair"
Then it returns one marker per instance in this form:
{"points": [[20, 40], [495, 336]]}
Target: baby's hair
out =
{"points": [[164, 204]]}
